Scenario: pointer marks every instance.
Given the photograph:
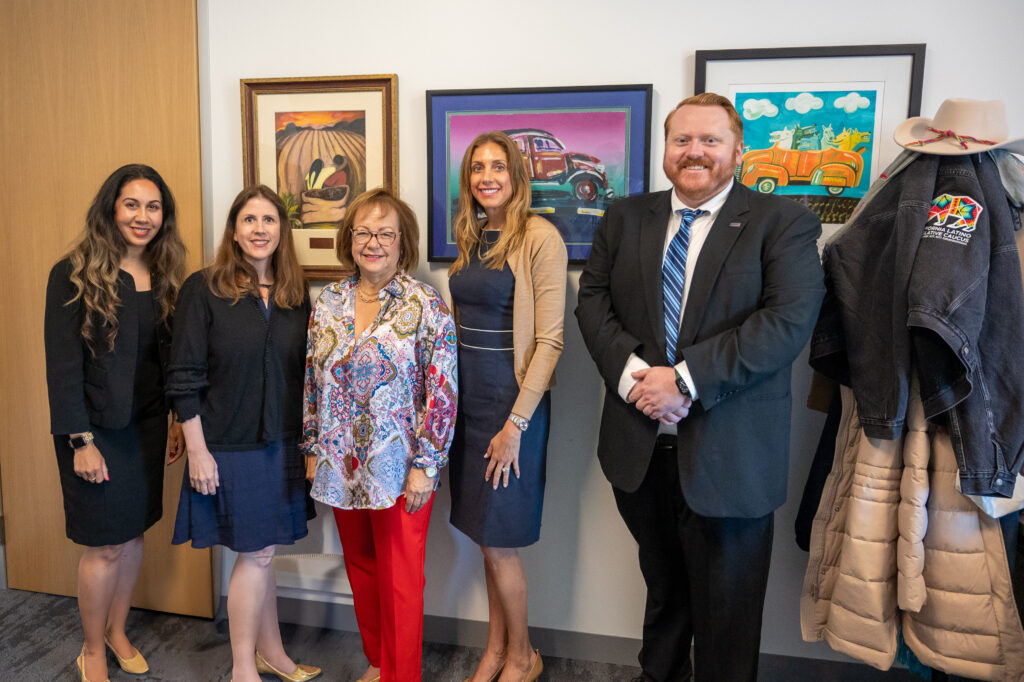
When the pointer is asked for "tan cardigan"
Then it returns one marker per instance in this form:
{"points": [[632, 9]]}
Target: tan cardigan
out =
{"points": [[538, 311]]}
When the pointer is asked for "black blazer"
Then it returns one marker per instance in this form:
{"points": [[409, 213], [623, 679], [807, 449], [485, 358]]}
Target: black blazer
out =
{"points": [[753, 301], [84, 390]]}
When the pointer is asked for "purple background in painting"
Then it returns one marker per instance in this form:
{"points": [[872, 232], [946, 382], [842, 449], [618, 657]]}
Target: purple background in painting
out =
{"points": [[598, 133], [493, 105]]}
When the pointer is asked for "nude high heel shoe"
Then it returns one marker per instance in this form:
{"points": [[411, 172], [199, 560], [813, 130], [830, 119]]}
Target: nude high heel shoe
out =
{"points": [[536, 669], [136, 665], [80, 664]]}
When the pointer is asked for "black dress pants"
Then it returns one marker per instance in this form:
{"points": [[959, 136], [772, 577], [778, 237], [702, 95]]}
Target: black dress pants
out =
{"points": [[706, 579]]}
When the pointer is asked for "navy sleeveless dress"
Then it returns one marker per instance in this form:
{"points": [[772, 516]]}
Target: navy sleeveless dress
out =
{"points": [[506, 517]]}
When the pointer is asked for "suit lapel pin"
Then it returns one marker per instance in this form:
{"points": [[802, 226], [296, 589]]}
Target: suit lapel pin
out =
{"points": [[735, 224]]}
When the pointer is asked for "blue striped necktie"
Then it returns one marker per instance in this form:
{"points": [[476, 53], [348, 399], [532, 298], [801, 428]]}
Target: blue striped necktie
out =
{"points": [[673, 277]]}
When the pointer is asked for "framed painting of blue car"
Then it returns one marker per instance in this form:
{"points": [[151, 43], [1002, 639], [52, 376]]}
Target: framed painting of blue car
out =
{"points": [[584, 147]]}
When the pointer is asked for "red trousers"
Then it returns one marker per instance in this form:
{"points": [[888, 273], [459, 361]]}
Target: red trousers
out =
{"points": [[384, 552]]}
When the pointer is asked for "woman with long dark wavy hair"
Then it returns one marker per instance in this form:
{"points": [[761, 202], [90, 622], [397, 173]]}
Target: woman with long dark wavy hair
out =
{"points": [[109, 304], [236, 373], [508, 291]]}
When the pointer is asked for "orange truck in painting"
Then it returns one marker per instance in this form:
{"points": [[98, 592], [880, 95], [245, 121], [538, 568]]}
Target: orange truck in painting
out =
{"points": [[833, 169]]}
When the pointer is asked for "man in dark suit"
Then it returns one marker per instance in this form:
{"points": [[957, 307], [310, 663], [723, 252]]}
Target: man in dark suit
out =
{"points": [[694, 304]]}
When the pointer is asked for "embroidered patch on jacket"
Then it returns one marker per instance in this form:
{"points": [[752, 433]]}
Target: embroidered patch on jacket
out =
{"points": [[952, 218]]}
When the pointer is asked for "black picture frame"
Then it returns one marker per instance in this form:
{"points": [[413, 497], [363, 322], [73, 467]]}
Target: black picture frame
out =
{"points": [[887, 78]]}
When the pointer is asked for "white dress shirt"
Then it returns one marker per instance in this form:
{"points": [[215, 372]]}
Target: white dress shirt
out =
{"points": [[699, 230]]}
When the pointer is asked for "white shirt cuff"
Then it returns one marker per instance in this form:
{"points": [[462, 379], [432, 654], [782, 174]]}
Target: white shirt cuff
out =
{"points": [[685, 373], [626, 381]]}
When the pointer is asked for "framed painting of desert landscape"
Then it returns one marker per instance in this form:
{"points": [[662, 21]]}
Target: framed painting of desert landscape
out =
{"points": [[320, 142], [818, 122], [583, 146]]}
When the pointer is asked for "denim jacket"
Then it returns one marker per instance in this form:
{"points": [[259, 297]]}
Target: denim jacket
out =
{"points": [[927, 276]]}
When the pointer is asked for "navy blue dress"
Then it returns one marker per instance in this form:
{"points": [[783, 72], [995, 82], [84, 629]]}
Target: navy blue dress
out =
{"points": [[506, 517]]}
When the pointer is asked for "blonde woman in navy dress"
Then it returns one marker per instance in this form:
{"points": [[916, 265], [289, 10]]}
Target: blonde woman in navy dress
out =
{"points": [[237, 363], [508, 289]]}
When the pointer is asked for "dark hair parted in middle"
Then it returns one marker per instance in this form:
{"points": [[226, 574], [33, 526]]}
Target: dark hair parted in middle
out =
{"points": [[408, 228], [232, 276], [96, 256]]}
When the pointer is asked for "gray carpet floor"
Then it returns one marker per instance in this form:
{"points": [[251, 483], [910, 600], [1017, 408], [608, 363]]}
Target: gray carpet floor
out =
{"points": [[40, 636]]}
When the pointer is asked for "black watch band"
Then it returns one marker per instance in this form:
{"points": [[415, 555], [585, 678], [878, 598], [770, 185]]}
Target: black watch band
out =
{"points": [[681, 385], [80, 441]]}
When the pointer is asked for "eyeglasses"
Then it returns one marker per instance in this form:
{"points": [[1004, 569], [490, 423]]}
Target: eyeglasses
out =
{"points": [[364, 236]]}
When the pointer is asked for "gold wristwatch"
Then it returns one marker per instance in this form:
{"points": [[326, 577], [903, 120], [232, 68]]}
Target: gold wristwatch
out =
{"points": [[81, 440]]}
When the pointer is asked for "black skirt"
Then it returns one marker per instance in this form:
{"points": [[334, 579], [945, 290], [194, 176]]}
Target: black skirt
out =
{"points": [[116, 511]]}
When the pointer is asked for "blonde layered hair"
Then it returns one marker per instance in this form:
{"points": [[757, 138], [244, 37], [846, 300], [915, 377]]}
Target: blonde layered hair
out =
{"points": [[96, 257], [232, 276], [468, 223]]}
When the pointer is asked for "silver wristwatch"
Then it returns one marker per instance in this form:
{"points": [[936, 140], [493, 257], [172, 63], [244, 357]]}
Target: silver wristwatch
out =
{"points": [[521, 423]]}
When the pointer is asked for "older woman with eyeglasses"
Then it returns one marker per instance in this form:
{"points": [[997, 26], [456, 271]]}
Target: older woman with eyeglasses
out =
{"points": [[379, 413]]}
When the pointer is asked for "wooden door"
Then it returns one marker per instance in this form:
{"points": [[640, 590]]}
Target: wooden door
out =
{"points": [[85, 87]]}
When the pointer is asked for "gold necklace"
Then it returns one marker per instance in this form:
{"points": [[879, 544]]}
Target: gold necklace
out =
{"points": [[375, 298], [483, 238]]}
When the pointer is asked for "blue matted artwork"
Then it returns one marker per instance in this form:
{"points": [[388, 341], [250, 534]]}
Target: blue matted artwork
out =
{"points": [[584, 148]]}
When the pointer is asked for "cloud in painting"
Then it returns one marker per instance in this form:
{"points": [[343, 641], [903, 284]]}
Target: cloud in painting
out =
{"points": [[756, 108], [852, 102], [804, 102]]}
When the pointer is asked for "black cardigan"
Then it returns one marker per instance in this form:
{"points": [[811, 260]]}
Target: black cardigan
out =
{"points": [[239, 371], [86, 391]]}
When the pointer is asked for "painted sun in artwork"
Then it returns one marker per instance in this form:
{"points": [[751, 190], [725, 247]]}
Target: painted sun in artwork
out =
{"points": [[315, 119], [321, 164]]}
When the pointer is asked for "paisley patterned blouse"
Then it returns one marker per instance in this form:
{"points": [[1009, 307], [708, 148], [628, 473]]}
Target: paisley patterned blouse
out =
{"points": [[377, 405]]}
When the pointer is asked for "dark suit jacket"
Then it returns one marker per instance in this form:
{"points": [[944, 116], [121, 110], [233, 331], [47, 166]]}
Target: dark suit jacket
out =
{"points": [[84, 390], [753, 301]]}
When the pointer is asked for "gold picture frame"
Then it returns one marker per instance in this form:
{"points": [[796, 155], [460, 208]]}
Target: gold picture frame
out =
{"points": [[319, 142]]}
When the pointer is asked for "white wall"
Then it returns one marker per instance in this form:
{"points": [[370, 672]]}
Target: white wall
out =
{"points": [[583, 574]]}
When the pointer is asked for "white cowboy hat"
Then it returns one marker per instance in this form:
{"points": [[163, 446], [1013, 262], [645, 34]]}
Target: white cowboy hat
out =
{"points": [[961, 126]]}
